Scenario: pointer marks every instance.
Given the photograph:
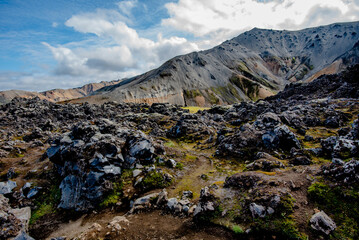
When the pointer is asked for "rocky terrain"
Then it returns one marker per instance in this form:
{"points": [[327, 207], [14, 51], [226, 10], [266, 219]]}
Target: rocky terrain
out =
{"points": [[285, 167], [55, 95]]}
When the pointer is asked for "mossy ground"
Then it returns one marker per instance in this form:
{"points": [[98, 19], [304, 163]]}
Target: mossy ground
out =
{"points": [[114, 196], [46, 204], [195, 109], [339, 202], [154, 180]]}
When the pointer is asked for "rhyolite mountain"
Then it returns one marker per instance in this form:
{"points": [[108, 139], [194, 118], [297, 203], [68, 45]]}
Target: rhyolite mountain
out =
{"points": [[254, 65], [251, 66]]}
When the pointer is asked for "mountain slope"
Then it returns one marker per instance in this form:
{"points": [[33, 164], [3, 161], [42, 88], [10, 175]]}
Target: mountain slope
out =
{"points": [[55, 95], [254, 65]]}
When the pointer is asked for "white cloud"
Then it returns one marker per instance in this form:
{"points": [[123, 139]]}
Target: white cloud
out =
{"points": [[119, 48], [127, 6], [54, 24], [219, 20]]}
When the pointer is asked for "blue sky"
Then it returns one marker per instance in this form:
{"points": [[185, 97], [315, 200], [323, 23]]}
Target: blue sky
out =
{"points": [[46, 44]]}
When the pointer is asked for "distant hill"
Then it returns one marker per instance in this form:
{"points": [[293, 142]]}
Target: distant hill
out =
{"points": [[254, 65], [55, 95]]}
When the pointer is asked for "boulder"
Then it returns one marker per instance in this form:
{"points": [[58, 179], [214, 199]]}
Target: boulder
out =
{"points": [[264, 165], [117, 223], [281, 137], [145, 202], [322, 223], [13, 222], [244, 180], [340, 147], [267, 120], [258, 211], [23, 236], [300, 160], [7, 187], [171, 163], [207, 203], [347, 173]]}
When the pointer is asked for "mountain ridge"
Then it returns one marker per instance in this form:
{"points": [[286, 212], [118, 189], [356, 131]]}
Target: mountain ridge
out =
{"points": [[253, 65]]}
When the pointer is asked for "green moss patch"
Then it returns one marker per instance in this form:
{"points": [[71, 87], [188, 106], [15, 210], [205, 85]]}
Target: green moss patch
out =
{"points": [[341, 203], [114, 196], [154, 180], [46, 204]]}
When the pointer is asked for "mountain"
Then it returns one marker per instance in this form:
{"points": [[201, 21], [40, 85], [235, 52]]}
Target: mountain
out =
{"points": [[254, 65], [55, 95]]}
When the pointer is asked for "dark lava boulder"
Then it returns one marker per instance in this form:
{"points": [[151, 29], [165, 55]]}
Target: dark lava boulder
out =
{"points": [[339, 171], [281, 137], [340, 147], [242, 143], [90, 160], [244, 180]]}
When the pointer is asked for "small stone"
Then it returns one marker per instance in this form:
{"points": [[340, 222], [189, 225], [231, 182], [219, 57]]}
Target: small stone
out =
{"points": [[257, 210], [136, 172], [171, 163], [172, 202], [187, 194], [270, 210], [7, 187]]}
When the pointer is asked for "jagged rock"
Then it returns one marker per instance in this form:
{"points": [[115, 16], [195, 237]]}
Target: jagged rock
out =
{"points": [[29, 192], [35, 134], [340, 147], [240, 143], [162, 198], [91, 233], [280, 137], [24, 215], [347, 173], [90, 157], [267, 120], [265, 165], [13, 222], [117, 223], [142, 150], [332, 122], [144, 202], [308, 138], [187, 194], [171, 203], [7, 187], [244, 180], [171, 163], [23, 236], [300, 160], [136, 172], [11, 173], [257, 210], [323, 223], [354, 132], [207, 203]]}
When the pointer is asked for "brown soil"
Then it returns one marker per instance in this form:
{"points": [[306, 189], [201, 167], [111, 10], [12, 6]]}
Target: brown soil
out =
{"points": [[147, 225]]}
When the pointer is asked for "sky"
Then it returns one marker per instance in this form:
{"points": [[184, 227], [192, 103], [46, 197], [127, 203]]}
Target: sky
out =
{"points": [[47, 44]]}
